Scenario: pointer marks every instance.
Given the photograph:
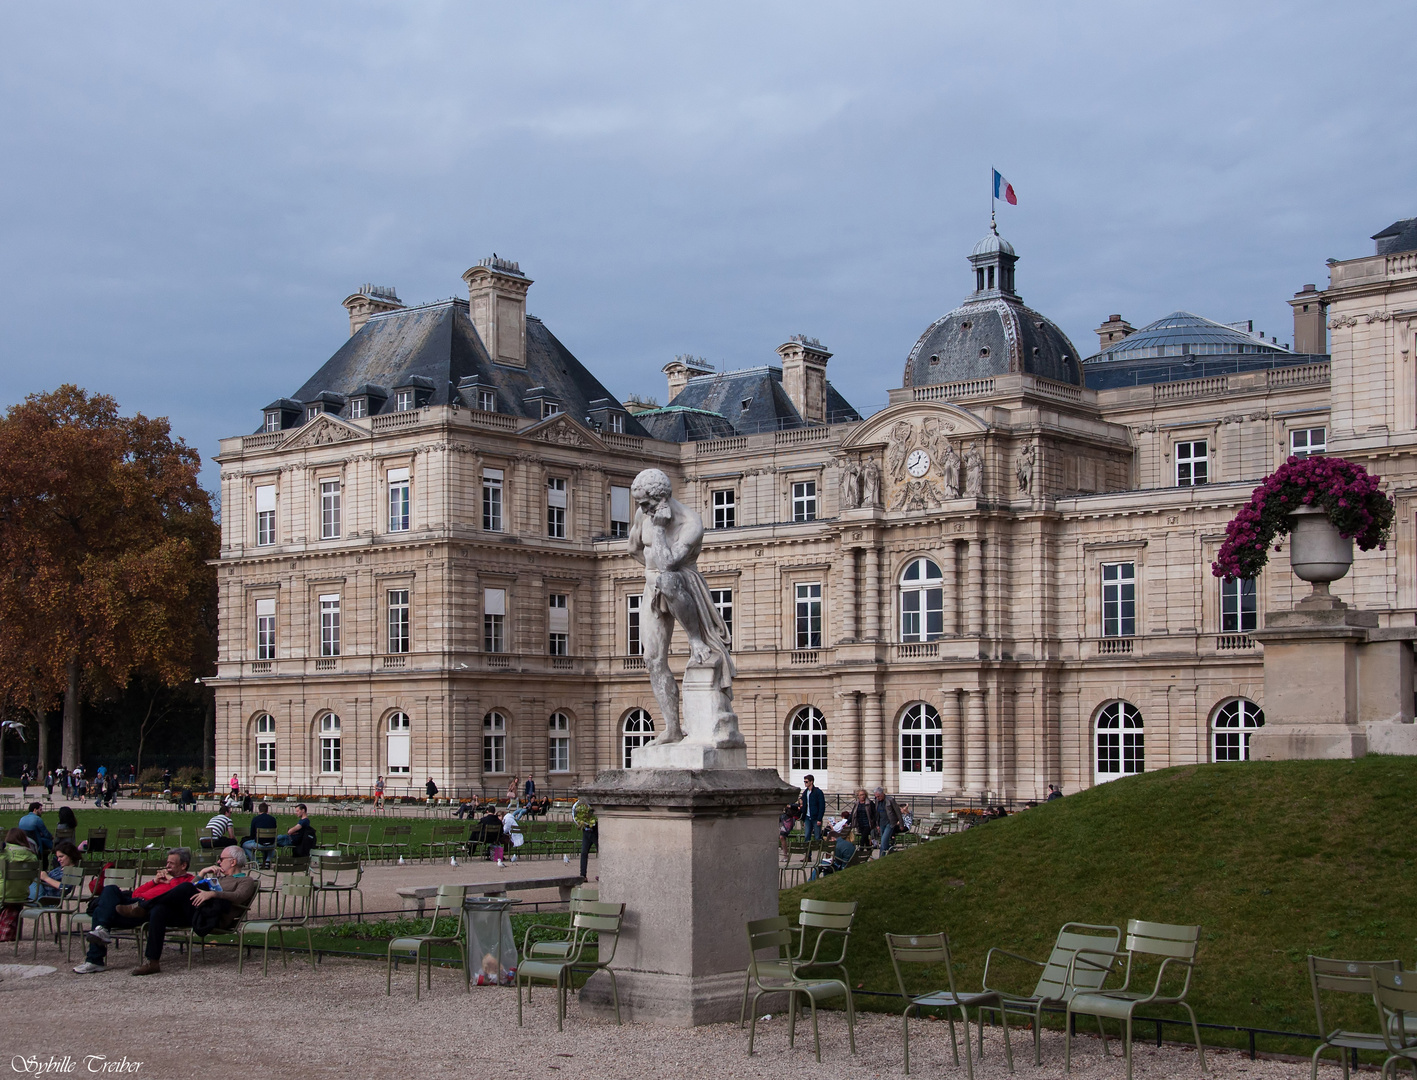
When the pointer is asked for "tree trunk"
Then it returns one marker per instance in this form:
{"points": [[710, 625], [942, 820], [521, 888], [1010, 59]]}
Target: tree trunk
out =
{"points": [[41, 722], [69, 752]]}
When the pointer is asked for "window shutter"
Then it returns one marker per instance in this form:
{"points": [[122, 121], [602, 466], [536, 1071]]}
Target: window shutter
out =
{"points": [[265, 498], [494, 602], [556, 497], [560, 621], [397, 475], [492, 474], [266, 607], [398, 751], [619, 504]]}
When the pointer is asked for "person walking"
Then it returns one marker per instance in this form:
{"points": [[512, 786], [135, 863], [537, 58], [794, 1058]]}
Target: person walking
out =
{"points": [[584, 816], [431, 788], [889, 818], [235, 784], [814, 808], [24, 782], [862, 816], [49, 783], [379, 793]]}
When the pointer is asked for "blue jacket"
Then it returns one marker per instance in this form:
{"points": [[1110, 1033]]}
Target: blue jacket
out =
{"points": [[38, 831], [814, 803]]}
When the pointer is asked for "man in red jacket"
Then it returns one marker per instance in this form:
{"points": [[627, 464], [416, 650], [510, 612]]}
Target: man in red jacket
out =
{"points": [[119, 910]]}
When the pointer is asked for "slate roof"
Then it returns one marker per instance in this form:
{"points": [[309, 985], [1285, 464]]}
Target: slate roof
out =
{"points": [[674, 423], [1399, 236], [768, 406], [438, 342], [1110, 376], [993, 336]]}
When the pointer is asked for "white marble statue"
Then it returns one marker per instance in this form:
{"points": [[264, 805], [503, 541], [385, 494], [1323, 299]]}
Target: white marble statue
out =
{"points": [[666, 536]]}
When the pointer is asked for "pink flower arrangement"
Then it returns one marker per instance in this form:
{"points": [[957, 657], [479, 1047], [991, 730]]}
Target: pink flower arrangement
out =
{"points": [[1350, 496]]}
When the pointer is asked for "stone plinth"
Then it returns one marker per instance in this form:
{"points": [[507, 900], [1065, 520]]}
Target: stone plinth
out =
{"points": [[711, 737], [1311, 682], [693, 856]]}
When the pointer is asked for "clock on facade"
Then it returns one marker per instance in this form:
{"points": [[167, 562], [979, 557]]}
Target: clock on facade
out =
{"points": [[918, 463]]}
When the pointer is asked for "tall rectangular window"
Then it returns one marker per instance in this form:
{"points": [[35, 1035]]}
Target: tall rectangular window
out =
{"points": [[725, 508], [494, 743], [398, 500], [549, 408], [1192, 464], [265, 755], [556, 508], [1237, 605], [558, 625], [403, 400], [617, 423], [265, 629], [272, 421], [358, 408], [722, 600], [1119, 599], [804, 500], [329, 625], [558, 757], [266, 514], [494, 616], [1306, 441], [633, 645], [487, 400], [331, 525], [491, 500], [619, 511], [809, 615], [398, 620]]}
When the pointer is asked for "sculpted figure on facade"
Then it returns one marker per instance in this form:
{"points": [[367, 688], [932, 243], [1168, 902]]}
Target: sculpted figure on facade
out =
{"points": [[1023, 469], [973, 472], [850, 485], [948, 464], [870, 483], [902, 441], [667, 536]]}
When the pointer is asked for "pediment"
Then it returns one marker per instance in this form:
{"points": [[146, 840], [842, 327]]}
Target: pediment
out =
{"points": [[324, 430], [561, 430], [885, 427]]}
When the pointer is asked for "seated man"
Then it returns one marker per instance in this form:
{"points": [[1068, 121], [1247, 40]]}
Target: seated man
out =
{"points": [[219, 832], [33, 826], [210, 904], [301, 836], [119, 910], [264, 819]]}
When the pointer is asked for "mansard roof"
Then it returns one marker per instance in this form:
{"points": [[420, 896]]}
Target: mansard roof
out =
{"points": [[436, 345], [753, 400]]}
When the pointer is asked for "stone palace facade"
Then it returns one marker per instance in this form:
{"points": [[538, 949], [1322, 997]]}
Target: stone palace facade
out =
{"points": [[999, 581]]}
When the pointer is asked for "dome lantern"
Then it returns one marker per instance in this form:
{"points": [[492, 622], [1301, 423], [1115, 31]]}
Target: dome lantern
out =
{"points": [[993, 259]]}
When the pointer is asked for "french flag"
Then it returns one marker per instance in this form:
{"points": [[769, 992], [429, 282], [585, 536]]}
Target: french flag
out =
{"points": [[1003, 189]]}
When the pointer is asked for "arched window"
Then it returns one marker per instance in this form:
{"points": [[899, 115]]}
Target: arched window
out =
{"points": [[807, 746], [330, 761], [265, 743], [922, 602], [637, 730], [922, 750], [558, 755], [1234, 723], [398, 744], [494, 743], [1121, 744]]}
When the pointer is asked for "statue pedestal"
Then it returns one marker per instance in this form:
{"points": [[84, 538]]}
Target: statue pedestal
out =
{"points": [[711, 737], [1311, 682], [693, 856]]}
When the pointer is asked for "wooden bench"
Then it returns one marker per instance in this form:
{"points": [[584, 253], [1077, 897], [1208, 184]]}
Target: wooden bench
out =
{"points": [[416, 897]]}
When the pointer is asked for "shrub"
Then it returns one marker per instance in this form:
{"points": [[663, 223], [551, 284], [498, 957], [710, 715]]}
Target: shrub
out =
{"points": [[1350, 496], [189, 776], [150, 777]]}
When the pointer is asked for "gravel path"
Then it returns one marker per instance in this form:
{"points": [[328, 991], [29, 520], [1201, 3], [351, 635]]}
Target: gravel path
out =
{"points": [[336, 1022]]}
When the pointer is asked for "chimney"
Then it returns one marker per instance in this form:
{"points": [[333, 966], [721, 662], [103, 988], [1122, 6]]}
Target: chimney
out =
{"points": [[683, 368], [1310, 321], [1113, 331], [496, 297], [368, 301], [804, 376]]}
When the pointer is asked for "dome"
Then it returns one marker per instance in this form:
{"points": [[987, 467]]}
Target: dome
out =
{"points": [[992, 244], [1184, 334], [992, 332]]}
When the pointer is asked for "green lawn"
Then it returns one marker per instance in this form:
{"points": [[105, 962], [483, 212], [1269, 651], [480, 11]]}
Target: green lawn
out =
{"points": [[1274, 860]]}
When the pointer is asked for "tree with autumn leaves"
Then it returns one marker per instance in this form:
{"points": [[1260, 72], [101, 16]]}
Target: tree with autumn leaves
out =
{"points": [[105, 539]]}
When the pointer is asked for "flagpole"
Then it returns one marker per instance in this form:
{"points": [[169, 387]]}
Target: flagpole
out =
{"points": [[993, 226]]}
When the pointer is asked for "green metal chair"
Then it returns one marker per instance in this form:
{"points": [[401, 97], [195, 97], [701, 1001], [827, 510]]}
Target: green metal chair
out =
{"points": [[934, 950], [826, 924], [595, 918], [1176, 945], [358, 842], [126, 878], [127, 840], [1054, 988], [54, 908], [14, 873], [1395, 994], [775, 975], [336, 876], [560, 948], [778, 966], [448, 901], [1330, 976], [265, 844], [299, 892], [97, 838]]}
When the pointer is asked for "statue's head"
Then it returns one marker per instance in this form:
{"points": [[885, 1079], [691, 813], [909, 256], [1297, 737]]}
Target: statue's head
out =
{"points": [[651, 490]]}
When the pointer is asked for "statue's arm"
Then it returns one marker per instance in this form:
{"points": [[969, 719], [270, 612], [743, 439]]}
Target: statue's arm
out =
{"points": [[687, 538], [636, 537]]}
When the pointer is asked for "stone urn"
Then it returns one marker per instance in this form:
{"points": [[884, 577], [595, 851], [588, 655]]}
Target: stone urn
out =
{"points": [[1317, 553]]}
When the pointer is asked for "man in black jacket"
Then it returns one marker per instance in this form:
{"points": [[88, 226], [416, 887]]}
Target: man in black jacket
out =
{"points": [[263, 819]]}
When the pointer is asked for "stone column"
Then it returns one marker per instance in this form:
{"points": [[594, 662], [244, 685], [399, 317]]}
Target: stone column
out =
{"points": [[873, 765], [850, 598], [974, 589], [953, 741], [844, 741], [873, 595], [976, 742], [950, 587], [692, 854]]}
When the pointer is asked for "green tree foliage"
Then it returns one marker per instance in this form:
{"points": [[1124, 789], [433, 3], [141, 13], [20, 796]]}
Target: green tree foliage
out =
{"points": [[105, 537]]}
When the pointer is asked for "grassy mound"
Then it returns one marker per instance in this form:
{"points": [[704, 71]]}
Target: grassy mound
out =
{"points": [[1274, 860]]}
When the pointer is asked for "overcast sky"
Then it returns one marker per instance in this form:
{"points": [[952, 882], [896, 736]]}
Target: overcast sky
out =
{"points": [[190, 190]]}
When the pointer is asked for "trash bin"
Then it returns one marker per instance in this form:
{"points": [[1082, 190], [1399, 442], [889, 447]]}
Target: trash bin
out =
{"points": [[491, 945]]}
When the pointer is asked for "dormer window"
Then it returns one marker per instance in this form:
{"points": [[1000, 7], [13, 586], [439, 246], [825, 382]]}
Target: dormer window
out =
{"points": [[272, 421], [549, 408], [358, 408], [617, 423], [487, 400], [746, 402], [403, 400], [312, 411]]}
